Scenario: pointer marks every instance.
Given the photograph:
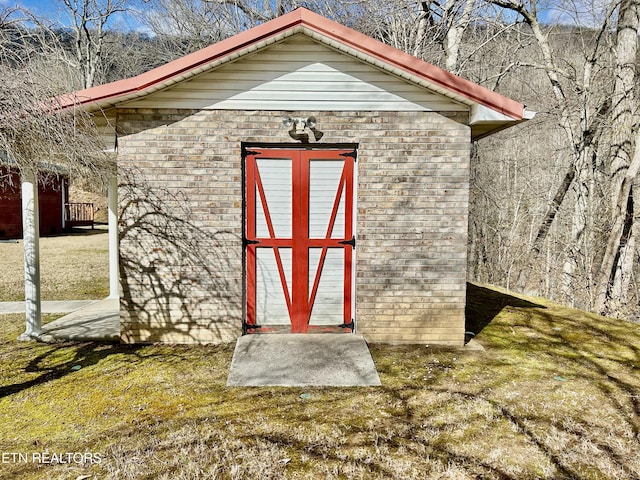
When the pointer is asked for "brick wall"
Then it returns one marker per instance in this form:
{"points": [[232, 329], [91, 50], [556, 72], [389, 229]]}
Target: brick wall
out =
{"points": [[181, 201]]}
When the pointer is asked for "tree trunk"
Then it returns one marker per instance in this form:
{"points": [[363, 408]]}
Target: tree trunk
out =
{"points": [[616, 269], [575, 255], [453, 38], [620, 239], [552, 209]]}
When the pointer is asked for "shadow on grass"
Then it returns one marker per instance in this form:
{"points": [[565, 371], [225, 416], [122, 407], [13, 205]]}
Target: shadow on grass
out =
{"points": [[81, 231], [85, 354], [484, 304], [567, 345]]}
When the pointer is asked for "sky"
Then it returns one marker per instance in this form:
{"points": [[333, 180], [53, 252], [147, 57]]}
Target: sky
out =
{"points": [[39, 7], [54, 10], [568, 12], [50, 9]]}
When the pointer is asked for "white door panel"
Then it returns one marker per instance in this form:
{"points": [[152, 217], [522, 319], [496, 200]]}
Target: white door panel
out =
{"points": [[276, 179], [324, 180], [328, 306], [271, 303]]}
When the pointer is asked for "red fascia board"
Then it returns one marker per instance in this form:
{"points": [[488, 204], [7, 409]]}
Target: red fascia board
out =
{"points": [[312, 21], [181, 65], [414, 66]]}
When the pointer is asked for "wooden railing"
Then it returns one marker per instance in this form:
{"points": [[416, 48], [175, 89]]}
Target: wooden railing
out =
{"points": [[78, 215]]}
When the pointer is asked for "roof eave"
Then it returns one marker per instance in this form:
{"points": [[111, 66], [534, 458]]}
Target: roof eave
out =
{"points": [[482, 128], [322, 29]]}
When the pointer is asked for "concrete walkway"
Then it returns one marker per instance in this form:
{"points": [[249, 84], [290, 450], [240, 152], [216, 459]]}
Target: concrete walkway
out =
{"points": [[94, 320], [97, 321], [302, 360], [61, 306]]}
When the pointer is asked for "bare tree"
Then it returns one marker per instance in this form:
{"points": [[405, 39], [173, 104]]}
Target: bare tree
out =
{"points": [[35, 134], [90, 19], [187, 25], [183, 26], [419, 28], [616, 269], [435, 31], [582, 107]]}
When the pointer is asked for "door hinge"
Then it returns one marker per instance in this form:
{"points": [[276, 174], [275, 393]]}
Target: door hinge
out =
{"points": [[246, 241], [246, 327], [250, 152], [353, 155], [350, 326], [351, 242]]}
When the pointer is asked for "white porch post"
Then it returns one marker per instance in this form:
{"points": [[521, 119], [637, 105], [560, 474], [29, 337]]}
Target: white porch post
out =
{"points": [[114, 280], [31, 240]]}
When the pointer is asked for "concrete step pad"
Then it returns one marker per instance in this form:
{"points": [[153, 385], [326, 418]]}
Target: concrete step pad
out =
{"points": [[292, 360]]}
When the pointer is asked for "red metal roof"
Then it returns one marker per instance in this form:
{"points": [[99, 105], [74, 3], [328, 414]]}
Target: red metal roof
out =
{"points": [[307, 22]]}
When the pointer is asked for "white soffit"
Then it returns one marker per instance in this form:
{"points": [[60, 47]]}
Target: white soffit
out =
{"points": [[482, 114]]}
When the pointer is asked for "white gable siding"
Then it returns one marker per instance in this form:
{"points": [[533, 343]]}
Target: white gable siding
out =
{"points": [[298, 74]]}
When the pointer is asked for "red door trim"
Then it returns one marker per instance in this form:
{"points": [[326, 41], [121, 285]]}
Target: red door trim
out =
{"points": [[300, 260], [349, 234], [299, 302], [250, 229]]}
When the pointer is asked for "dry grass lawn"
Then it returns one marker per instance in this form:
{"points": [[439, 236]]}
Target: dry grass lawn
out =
{"points": [[555, 395], [73, 267]]}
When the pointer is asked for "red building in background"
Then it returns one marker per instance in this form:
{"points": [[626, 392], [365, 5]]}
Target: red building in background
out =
{"points": [[53, 194]]}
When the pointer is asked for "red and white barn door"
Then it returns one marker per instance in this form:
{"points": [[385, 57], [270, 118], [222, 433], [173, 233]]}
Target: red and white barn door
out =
{"points": [[299, 239]]}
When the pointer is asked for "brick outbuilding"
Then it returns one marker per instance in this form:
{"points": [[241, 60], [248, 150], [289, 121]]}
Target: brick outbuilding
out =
{"points": [[297, 177]]}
